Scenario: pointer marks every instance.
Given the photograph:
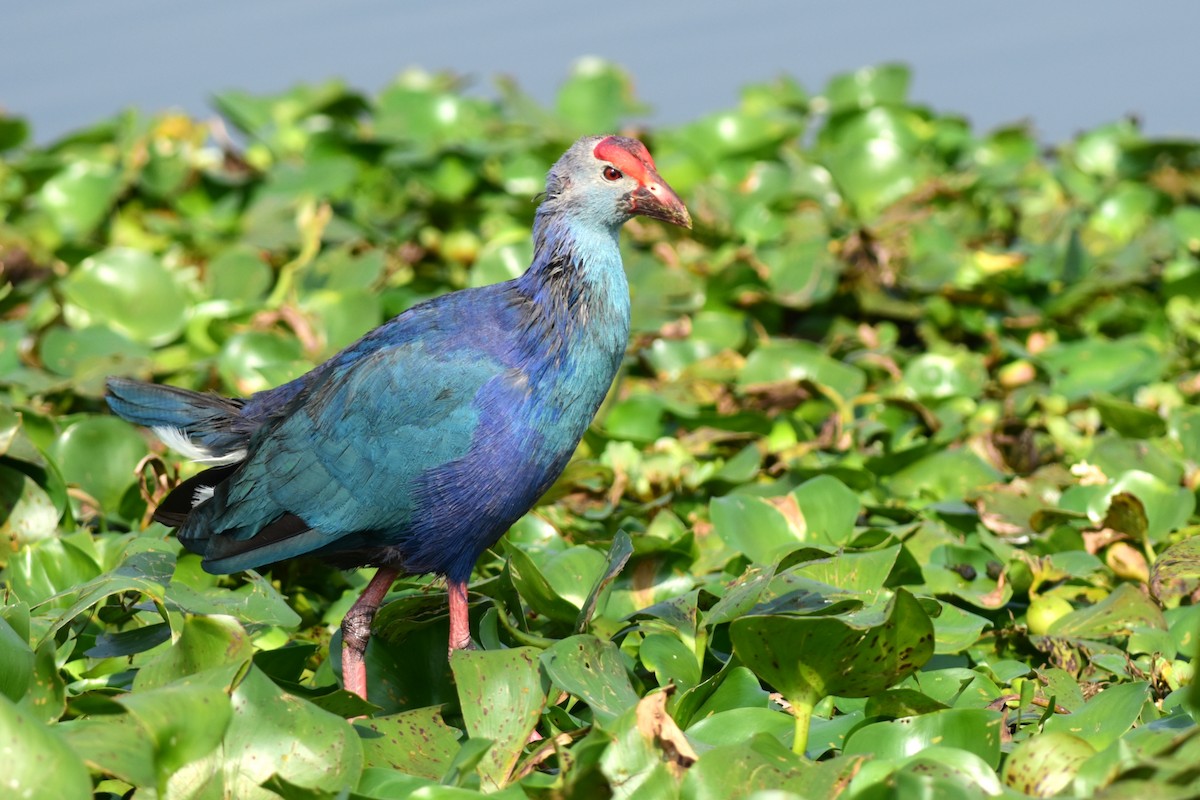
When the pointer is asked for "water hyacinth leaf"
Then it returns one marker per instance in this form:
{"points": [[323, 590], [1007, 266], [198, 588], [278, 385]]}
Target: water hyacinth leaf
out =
{"points": [[731, 688], [80, 196], [734, 132], [807, 658], [417, 742], [1124, 212], [956, 629], [670, 660], [501, 694], [1129, 419], [859, 573], [1043, 766], [757, 763], [951, 769], [31, 515], [44, 572], [936, 376], [829, 508], [1105, 717], [184, 722], [46, 697], [1167, 508], [130, 642], [145, 572], [114, 744], [256, 602], [740, 596], [596, 97], [39, 763], [238, 275], [203, 643], [875, 156], [342, 317], [1175, 576], [896, 703], [618, 556], [754, 527], [886, 84], [246, 357], [16, 663], [802, 274], [275, 733], [418, 108], [593, 670], [13, 132], [1092, 366], [1115, 615], [99, 454], [106, 287], [798, 361], [91, 353], [975, 730], [739, 724], [943, 475], [535, 586]]}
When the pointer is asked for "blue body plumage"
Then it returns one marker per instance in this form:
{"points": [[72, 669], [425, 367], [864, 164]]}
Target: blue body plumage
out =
{"points": [[417, 447]]}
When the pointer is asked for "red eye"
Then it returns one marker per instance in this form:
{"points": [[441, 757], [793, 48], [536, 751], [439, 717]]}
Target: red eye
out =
{"points": [[612, 174]]}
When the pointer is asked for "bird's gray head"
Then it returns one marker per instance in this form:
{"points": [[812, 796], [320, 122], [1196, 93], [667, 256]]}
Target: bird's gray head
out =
{"points": [[609, 180]]}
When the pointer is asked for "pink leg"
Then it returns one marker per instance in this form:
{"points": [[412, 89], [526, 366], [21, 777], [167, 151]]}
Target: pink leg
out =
{"points": [[460, 621], [356, 630]]}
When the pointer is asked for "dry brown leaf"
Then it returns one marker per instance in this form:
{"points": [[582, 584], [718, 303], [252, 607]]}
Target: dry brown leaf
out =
{"points": [[656, 724]]}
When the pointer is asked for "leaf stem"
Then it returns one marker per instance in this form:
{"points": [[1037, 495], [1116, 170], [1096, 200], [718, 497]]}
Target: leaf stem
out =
{"points": [[802, 711]]}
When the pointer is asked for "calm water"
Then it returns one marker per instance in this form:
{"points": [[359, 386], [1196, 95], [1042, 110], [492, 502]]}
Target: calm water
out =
{"points": [[1066, 64]]}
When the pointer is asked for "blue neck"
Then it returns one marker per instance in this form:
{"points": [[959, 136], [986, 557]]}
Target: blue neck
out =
{"points": [[578, 303]]}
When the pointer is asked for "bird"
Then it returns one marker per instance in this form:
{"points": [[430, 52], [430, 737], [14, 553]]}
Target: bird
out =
{"points": [[415, 448]]}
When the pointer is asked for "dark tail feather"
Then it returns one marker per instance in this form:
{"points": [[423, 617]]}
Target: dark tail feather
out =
{"points": [[213, 426], [174, 509]]}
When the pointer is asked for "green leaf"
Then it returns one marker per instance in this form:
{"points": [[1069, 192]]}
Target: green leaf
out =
{"points": [[131, 292], [38, 763], [757, 763], [1175, 575], [1043, 766], [670, 660], [80, 196], [592, 670], [144, 572], [113, 744], [1105, 717], [417, 742], [275, 733], [597, 97], [754, 527], [1092, 366], [1115, 615], [539, 591], [618, 556], [16, 663], [203, 643], [807, 658], [502, 695], [100, 454], [184, 722], [800, 361], [830, 510], [975, 730], [886, 84], [31, 515]]}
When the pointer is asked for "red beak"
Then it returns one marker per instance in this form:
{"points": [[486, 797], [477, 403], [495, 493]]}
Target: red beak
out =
{"points": [[654, 198]]}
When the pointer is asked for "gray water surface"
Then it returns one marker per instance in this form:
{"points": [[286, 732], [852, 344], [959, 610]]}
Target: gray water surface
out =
{"points": [[1068, 65]]}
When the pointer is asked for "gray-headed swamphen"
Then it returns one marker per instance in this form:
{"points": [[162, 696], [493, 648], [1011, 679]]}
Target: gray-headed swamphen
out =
{"points": [[415, 448]]}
